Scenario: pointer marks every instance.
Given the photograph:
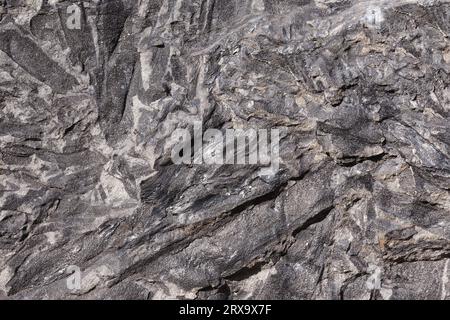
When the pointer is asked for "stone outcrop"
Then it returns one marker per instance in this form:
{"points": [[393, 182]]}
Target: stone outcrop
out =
{"points": [[90, 93]]}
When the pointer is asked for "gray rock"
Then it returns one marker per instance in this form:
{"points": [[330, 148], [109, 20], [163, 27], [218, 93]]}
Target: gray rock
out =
{"points": [[91, 93]]}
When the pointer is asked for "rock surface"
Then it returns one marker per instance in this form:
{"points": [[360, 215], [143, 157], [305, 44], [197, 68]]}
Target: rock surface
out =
{"points": [[360, 208]]}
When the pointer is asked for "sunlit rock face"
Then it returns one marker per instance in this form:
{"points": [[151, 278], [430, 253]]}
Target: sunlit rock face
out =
{"points": [[92, 205]]}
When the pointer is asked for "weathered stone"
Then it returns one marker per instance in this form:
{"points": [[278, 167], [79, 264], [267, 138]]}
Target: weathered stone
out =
{"points": [[360, 205]]}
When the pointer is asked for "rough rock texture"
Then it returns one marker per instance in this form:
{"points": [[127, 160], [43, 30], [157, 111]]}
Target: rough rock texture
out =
{"points": [[360, 208]]}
